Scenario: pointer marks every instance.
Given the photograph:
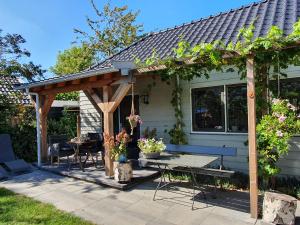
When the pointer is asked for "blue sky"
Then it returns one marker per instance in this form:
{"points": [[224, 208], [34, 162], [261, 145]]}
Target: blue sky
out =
{"points": [[47, 25]]}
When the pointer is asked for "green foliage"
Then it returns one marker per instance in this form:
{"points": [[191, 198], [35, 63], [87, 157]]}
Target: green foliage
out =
{"points": [[113, 29], [73, 60], [13, 58], [64, 125], [68, 96], [177, 134], [19, 122], [273, 134], [18, 209]]}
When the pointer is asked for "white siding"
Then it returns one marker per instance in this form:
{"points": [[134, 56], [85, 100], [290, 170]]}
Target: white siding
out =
{"points": [[91, 120]]}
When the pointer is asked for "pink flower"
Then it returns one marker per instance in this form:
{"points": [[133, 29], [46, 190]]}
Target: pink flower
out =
{"points": [[282, 118], [279, 133]]}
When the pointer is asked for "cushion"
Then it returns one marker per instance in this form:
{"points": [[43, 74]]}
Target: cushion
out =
{"points": [[17, 166], [3, 173]]}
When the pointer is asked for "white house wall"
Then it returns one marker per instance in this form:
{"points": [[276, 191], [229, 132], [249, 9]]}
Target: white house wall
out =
{"points": [[159, 114]]}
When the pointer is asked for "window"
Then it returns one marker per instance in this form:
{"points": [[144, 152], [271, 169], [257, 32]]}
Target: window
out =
{"points": [[213, 112], [208, 109], [237, 118], [289, 89]]}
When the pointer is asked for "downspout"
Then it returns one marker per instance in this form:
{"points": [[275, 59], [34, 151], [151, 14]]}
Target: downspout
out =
{"points": [[38, 126]]}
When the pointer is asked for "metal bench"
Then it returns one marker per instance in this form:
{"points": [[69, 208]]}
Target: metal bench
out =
{"points": [[206, 150]]}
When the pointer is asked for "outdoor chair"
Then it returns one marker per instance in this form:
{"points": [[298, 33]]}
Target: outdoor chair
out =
{"points": [[97, 146], [58, 147], [8, 158], [3, 173]]}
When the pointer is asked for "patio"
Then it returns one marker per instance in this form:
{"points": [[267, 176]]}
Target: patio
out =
{"points": [[97, 175], [110, 206]]}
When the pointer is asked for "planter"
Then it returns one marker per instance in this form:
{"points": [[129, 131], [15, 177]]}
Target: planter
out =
{"points": [[151, 155], [122, 172]]}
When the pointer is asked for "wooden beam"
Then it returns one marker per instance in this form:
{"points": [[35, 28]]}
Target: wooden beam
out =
{"points": [[95, 100], [48, 100], [118, 96], [61, 84], [76, 87], [76, 81], [252, 137]]}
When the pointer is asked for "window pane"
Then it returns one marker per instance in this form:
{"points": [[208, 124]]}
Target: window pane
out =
{"points": [[237, 108], [208, 109], [289, 89]]}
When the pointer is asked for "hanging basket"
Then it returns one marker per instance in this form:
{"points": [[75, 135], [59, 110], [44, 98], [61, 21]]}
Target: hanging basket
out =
{"points": [[133, 119]]}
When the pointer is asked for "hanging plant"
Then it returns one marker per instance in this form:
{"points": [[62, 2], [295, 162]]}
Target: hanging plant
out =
{"points": [[133, 119]]}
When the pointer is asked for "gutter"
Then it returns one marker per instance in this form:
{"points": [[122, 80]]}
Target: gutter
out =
{"points": [[117, 66], [38, 125], [67, 78]]}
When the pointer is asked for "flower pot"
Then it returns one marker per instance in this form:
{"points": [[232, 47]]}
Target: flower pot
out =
{"points": [[122, 172], [151, 155]]}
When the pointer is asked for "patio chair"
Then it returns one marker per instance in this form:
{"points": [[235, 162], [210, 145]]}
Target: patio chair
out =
{"points": [[8, 158], [98, 145], [58, 147], [3, 173]]}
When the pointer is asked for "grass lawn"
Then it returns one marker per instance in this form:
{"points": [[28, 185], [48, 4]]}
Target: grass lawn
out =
{"points": [[18, 209]]}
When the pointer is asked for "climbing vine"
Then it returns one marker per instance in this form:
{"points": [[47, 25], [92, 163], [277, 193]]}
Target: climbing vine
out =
{"points": [[272, 54], [177, 134]]}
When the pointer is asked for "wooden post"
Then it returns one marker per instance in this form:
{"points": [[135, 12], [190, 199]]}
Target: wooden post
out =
{"points": [[78, 125], [252, 137], [46, 102], [108, 104]]}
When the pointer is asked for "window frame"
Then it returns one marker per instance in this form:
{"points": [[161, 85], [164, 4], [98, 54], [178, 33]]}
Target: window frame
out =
{"points": [[225, 112]]}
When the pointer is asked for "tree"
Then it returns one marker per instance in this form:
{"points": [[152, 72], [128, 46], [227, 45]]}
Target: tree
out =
{"points": [[114, 29], [12, 57], [73, 60]]}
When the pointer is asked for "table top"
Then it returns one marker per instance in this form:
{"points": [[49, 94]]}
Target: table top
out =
{"points": [[182, 160], [79, 142]]}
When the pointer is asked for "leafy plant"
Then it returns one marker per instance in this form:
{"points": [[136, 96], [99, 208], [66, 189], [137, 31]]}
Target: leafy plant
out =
{"points": [[147, 133], [117, 145], [63, 125], [150, 145], [273, 134]]}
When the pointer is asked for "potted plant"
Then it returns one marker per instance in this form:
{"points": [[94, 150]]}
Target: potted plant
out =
{"points": [[151, 148], [117, 146]]}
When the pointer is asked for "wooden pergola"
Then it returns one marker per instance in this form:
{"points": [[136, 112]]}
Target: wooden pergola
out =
{"points": [[106, 90]]}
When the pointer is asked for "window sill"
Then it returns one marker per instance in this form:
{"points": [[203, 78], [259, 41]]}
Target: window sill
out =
{"points": [[218, 133]]}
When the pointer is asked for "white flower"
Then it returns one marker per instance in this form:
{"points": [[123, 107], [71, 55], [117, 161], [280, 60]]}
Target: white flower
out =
{"points": [[279, 133]]}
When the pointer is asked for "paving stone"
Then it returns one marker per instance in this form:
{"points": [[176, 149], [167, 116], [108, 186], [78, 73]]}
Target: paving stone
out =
{"points": [[220, 220]]}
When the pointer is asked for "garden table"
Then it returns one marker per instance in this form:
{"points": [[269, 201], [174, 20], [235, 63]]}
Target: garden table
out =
{"points": [[76, 146], [182, 163]]}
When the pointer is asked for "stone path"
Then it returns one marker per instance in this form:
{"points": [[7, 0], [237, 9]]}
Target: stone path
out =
{"points": [[108, 206]]}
